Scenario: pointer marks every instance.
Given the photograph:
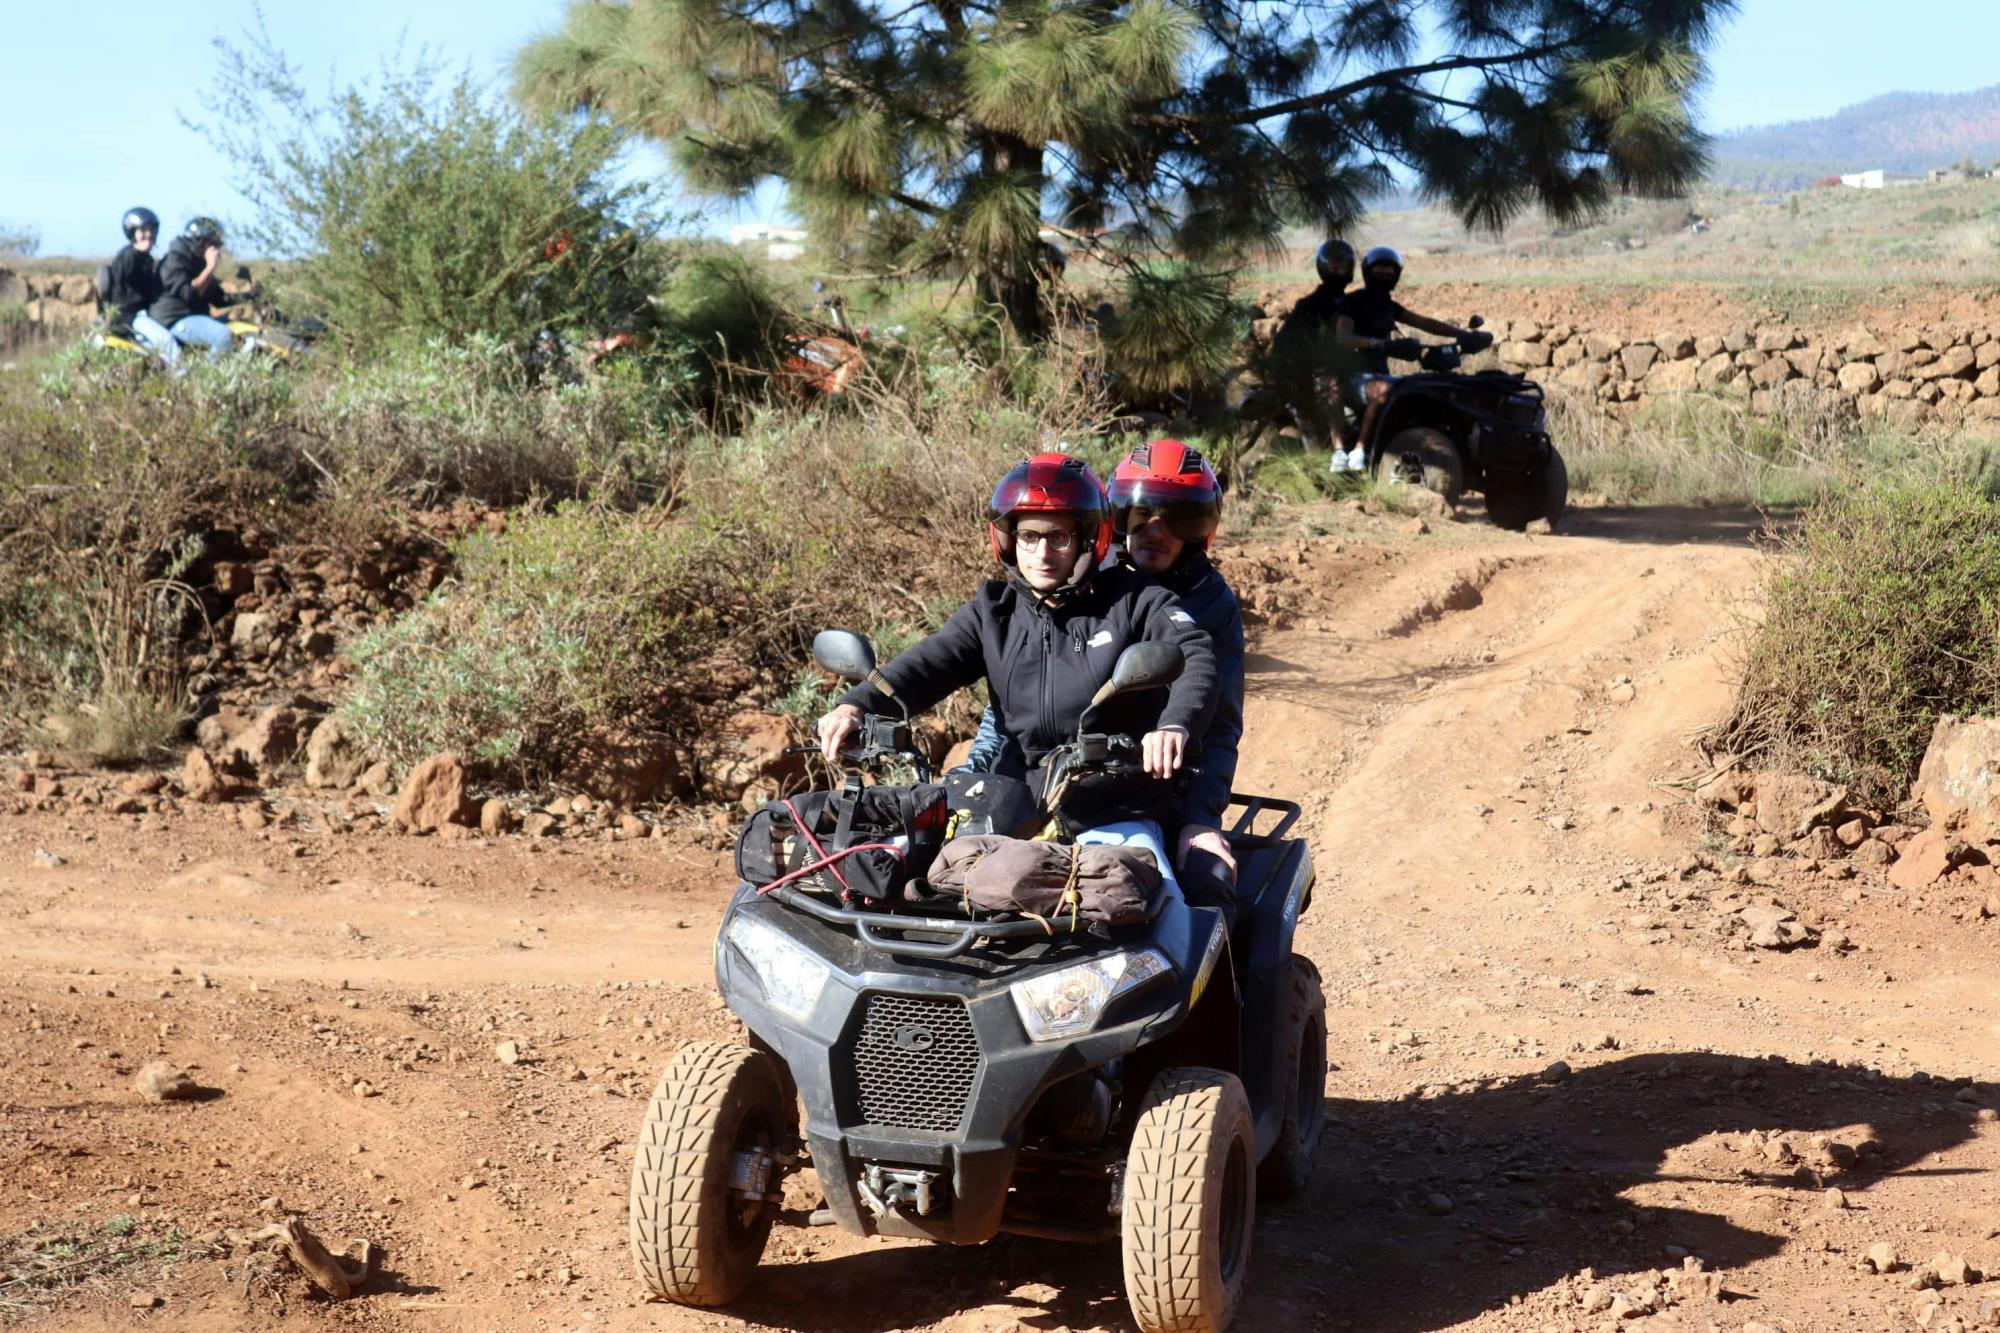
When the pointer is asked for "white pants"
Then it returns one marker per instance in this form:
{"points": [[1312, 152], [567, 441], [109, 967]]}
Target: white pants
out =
{"points": [[1141, 833]]}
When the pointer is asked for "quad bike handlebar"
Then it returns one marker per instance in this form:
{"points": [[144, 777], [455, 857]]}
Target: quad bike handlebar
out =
{"points": [[884, 741]]}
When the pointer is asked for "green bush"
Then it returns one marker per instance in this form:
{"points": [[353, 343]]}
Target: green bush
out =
{"points": [[589, 618], [1884, 615], [564, 623], [418, 204]]}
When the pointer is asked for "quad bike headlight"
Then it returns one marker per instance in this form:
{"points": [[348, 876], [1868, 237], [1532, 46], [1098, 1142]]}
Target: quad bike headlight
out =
{"points": [[1067, 1002], [792, 977]]}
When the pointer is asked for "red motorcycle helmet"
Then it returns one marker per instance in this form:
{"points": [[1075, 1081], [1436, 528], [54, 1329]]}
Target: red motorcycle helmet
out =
{"points": [[1049, 484], [1172, 480]]}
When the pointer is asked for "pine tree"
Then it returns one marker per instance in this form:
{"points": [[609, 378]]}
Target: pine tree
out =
{"points": [[942, 135]]}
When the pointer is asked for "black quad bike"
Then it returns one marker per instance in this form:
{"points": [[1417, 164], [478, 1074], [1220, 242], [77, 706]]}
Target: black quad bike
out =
{"points": [[962, 1075], [1451, 432]]}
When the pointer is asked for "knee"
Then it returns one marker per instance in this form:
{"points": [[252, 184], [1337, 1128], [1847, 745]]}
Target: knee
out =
{"points": [[1377, 391]]}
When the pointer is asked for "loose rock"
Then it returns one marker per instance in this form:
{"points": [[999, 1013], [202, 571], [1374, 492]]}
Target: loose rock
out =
{"points": [[434, 795], [161, 1082], [203, 781]]}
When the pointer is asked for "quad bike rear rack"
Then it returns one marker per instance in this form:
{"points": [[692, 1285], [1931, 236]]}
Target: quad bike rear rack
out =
{"points": [[1254, 807]]}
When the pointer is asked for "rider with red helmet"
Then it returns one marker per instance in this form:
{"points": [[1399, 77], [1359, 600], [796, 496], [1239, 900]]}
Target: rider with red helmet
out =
{"points": [[1045, 637], [1167, 503]]}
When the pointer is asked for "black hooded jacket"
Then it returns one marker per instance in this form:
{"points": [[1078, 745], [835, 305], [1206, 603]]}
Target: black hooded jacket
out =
{"points": [[178, 298], [134, 284], [1042, 663]]}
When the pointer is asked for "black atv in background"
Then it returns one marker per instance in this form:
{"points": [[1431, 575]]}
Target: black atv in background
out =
{"points": [[1451, 432]]}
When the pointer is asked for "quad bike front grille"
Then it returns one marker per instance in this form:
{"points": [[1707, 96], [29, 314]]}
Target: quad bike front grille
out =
{"points": [[914, 1060]]}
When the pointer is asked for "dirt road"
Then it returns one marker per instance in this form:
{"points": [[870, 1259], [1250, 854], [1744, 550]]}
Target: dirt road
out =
{"points": [[1546, 1059]]}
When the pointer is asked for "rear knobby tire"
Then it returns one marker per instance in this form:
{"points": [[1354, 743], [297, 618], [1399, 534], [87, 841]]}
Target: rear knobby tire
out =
{"points": [[690, 1237], [1288, 1168], [1190, 1203], [1437, 456], [1515, 506]]}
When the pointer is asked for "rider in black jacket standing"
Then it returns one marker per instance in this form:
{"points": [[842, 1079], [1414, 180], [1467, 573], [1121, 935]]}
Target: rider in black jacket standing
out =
{"points": [[1045, 637]]}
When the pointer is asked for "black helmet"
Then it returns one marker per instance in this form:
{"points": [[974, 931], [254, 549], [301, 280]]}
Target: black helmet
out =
{"points": [[203, 231], [1334, 257], [136, 218], [1375, 258]]}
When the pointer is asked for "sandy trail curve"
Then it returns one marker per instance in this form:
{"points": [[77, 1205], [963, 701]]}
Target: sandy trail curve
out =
{"points": [[1482, 728]]}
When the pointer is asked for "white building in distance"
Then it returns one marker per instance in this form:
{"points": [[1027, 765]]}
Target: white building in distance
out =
{"points": [[779, 241]]}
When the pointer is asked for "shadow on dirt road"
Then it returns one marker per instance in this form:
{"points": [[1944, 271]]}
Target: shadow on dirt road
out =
{"points": [[1430, 1210], [1678, 525]]}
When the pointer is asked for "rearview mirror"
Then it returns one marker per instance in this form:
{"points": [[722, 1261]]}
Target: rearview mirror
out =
{"points": [[844, 653], [1476, 322], [1143, 666]]}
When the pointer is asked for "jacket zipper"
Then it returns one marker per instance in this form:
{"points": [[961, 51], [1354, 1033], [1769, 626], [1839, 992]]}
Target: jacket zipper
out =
{"points": [[1048, 686]]}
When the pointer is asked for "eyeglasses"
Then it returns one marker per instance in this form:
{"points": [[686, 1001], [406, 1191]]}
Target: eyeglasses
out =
{"points": [[1059, 540]]}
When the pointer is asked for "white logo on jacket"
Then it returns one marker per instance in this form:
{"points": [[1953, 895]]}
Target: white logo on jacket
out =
{"points": [[1099, 639]]}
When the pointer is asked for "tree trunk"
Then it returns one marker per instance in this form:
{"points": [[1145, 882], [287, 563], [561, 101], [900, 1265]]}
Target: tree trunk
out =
{"points": [[1014, 281]]}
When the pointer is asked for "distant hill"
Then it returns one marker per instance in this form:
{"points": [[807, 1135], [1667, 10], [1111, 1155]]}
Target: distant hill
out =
{"points": [[1899, 132]]}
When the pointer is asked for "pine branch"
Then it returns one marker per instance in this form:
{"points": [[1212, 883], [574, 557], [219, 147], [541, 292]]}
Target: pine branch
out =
{"points": [[1340, 92]]}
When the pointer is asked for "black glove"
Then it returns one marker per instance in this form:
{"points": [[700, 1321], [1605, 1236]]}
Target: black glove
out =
{"points": [[1402, 349], [1475, 341]]}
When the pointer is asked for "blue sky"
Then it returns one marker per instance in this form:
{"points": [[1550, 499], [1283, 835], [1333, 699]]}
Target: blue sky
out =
{"points": [[82, 145]]}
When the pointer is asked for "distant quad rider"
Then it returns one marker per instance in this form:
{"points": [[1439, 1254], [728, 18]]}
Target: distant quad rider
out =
{"points": [[191, 291], [131, 283], [1367, 326], [1166, 503], [1307, 357]]}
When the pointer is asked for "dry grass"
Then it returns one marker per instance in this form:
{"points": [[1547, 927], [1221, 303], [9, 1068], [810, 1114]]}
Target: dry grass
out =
{"points": [[1698, 449], [96, 511], [43, 1268]]}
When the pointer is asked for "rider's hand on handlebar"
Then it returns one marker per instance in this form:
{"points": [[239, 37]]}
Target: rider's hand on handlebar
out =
{"points": [[1474, 341], [1161, 751], [836, 729]]}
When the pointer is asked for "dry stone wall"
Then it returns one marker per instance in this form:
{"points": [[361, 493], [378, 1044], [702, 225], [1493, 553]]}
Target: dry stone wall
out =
{"points": [[1905, 375], [60, 303]]}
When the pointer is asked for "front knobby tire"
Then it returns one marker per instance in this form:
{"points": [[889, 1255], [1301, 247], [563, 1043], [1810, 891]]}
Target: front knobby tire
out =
{"points": [[694, 1240], [1436, 455], [1190, 1202], [1288, 1168], [1517, 505]]}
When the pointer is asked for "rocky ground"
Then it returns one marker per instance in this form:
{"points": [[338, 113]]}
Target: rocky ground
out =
{"points": [[1605, 1052]]}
